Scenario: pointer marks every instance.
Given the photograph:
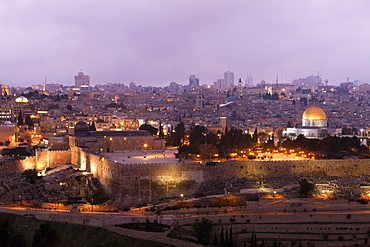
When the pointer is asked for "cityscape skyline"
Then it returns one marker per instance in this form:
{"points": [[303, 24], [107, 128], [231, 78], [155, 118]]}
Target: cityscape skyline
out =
{"points": [[157, 43]]}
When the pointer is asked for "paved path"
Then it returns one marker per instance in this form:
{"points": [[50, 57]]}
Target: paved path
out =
{"points": [[152, 236], [104, 220]]}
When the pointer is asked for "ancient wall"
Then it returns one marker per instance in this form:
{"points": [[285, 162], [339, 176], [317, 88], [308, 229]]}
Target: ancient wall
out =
{"points": [[59, 157], [136, 183], [8, 166], [41, 161]]}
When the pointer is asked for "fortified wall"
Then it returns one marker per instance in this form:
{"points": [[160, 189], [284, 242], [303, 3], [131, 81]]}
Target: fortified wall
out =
{"points": [[136, 183], [41, 161]]}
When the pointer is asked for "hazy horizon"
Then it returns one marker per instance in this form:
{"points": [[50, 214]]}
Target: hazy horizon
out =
{"points": [[157, 42]]}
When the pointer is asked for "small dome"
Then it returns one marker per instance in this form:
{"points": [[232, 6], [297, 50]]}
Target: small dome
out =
{"points": [[232, 98], [21, 99], [314, 113], [7, 124], [82, 127]]}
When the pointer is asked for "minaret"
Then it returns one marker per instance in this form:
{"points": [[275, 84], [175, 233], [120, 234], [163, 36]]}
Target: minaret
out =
{"points": [[223, 121], [200, 101]]}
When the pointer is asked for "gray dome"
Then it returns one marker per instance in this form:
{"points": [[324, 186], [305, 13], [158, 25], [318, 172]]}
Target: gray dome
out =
{"points": [[232, 98], [82, 127]]}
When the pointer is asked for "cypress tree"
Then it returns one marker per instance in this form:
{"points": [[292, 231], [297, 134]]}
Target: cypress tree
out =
{"points": [[161, 134], [255, 136], [222, 239], [20, 119], [275, 244], [231, 242], [92, 126], [252, 240], [227, 238], [29, 122]]}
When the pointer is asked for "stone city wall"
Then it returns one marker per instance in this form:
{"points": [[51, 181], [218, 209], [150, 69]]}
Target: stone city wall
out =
{"points": [[41, 161], [147, 182], [9, 166]]}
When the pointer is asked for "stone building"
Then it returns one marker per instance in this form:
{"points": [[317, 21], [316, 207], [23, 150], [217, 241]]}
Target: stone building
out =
{"points": [[113, 141], [8, 132]]}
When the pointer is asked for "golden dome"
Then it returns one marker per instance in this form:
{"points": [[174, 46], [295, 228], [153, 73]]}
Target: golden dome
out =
{"points": [[314, 113], [21, 99]]}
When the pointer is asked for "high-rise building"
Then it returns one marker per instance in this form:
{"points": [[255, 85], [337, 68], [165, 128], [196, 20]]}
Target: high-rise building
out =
{"points": [[228, 80], [82, 80], [219, 83], [309, 80], [53, 87], [193, 81], [249, 81]]}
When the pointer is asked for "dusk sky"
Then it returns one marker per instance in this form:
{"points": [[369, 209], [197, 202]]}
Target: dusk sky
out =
{"points": [[156, 42]]}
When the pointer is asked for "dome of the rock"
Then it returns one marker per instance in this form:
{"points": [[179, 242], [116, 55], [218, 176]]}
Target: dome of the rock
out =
{"points": [[314, 116], [314, 113]]}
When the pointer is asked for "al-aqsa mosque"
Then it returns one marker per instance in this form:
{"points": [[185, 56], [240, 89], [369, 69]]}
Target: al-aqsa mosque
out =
{"points": [[314, 125]]}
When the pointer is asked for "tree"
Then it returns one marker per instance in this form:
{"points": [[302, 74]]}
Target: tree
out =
{"points": [[20, 119], [212, 138], [255, 136], [253, 240], [231, 240], [203, 231], [222, 238], [148, 226], [196, 138], [92, 126], [275, 96], [152, 130], [306, 188], [275, 244], [227, 238], [179, 134], [215, 240], [232, 140], [29, 122], [208, 150]]}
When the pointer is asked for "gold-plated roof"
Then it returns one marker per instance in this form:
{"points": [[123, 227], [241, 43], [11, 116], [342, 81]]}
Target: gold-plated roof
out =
{"points": [[21, 99], [314, 113]]}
